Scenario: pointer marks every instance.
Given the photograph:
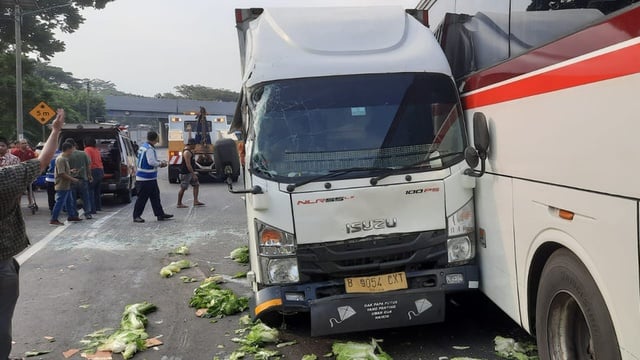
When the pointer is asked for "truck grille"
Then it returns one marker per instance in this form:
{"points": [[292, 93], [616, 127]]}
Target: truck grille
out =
{"points": [[372, 255]]}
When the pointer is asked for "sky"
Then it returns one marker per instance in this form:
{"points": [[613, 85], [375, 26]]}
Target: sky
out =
{"points": [[147, 47]]}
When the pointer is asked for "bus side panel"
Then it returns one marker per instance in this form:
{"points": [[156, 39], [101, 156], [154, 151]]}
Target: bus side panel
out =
{"points": [[496, 252], [604, 236]]}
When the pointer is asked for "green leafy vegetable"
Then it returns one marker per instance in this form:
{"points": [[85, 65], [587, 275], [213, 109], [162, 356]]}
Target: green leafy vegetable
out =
{"points": [[508, 348], [129, 338], [259, 334], [217, 301], [239, 275], [182, 250], [309, 357], [359, 351], [240, 255], [175, 267]]}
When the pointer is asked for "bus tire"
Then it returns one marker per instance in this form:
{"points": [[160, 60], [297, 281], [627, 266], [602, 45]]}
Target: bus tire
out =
{"points": [[572, 319]]}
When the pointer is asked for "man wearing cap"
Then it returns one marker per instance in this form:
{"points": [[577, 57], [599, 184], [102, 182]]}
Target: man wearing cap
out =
{"points": [[188, 175]]}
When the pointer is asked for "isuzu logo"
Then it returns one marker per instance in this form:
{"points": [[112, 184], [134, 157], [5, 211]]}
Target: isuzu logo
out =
{"points": [[368, 225]]}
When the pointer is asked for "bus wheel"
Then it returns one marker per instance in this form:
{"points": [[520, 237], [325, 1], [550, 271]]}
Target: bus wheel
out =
{"points": [[572, 320]]}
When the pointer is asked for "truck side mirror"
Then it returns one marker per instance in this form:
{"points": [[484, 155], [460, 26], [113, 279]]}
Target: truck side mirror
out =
{"points": [[227, 162], [481, 140], [480, 134]]}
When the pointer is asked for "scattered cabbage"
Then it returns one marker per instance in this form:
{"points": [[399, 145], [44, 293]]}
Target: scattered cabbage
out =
{"points": [[175, 267], [217, 301], [508, 348], [240, 255], [359, 351]]}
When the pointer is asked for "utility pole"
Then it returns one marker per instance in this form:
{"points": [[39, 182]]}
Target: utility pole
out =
{"points": [[88, 109], [18, 14], [19, 113]]}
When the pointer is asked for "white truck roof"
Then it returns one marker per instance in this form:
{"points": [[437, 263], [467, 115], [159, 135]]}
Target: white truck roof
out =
{"points": [[285, 43]]}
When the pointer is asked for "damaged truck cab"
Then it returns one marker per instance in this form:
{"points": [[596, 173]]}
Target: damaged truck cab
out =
{"points": [[359, 208]]}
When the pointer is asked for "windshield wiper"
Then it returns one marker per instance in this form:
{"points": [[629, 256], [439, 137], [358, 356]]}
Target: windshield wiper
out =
{"points": [[330, 174], [375, 180]]}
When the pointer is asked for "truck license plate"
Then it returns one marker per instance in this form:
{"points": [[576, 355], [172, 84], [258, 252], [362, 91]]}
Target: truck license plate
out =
{"points": [[376, 284]]}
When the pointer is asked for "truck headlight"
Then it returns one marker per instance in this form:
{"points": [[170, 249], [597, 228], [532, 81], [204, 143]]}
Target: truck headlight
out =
{"points": [[461, 245], [459, 249], [281, 271], [277, 251], [274, 242]]}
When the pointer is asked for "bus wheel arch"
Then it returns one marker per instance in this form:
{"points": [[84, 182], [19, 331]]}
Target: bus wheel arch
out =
{"points": [[570, 315]]}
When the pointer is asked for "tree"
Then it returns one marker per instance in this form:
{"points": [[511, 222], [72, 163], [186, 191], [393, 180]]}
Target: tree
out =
{"points": [[44, 83], [200, 92], [37, 28], [167, 96], [56, 76]]}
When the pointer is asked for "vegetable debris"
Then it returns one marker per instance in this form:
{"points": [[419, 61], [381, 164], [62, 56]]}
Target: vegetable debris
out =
{"points": [[259, 335], [176, 267], [182, 250], [359, 351], [129, 338], [240, 255], [217, 301], [239, 275], [508, 348]]}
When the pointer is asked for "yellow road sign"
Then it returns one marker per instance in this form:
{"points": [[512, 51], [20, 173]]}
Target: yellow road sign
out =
{"points": [[42, 112]]}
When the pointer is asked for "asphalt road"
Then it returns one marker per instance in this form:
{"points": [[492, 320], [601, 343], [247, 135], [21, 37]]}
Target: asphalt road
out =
{"points": [[78, 278]]}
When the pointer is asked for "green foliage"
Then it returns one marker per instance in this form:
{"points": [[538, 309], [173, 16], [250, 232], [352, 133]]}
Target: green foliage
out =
{"points": [[200, 92], [41, 82], [38, 26]]}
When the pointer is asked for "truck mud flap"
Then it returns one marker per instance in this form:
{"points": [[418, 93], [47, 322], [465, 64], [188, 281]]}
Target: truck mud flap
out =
{"points": [[358, 312]]}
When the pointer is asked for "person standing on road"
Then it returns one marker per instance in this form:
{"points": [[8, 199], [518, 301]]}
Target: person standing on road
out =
{"points": [[6, 157], [63, 181], [97, 173], [147, 180], [188, 175], [13, 236], [50, 181], [80, 162], [24, 153]]}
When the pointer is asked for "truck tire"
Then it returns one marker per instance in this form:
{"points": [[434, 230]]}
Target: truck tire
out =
{"points": [[572, 319]]}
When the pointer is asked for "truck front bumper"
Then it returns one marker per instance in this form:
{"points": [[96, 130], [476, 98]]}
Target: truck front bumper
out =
{"points": [[422, 303]]}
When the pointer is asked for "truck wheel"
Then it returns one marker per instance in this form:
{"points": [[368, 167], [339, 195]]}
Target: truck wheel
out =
{"points": [[572, 319]]}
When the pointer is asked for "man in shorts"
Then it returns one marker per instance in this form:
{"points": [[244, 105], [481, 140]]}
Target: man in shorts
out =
{"points": [[188, 175]]}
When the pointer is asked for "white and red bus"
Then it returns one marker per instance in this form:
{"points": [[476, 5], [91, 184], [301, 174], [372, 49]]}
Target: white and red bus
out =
{"points": [[558, 209]]}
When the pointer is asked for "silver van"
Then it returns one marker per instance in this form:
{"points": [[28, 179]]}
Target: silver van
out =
{"points": [[117, 152]]}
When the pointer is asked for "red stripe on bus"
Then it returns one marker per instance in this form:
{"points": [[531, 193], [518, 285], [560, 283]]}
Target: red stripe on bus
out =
{"points": [[607, 66], [612, 30]]}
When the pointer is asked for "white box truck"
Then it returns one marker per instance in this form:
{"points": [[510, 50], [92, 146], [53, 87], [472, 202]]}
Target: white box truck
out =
{"points": [[358, 205]]}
